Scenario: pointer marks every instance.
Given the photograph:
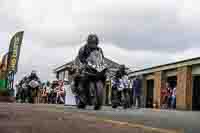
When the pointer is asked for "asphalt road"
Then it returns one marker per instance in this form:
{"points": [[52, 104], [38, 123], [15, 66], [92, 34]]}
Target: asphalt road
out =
{"points": [[26, 118], [184, 121]]}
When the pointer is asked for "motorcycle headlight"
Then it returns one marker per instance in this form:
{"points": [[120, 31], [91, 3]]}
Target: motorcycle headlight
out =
{"points": [[89, 63]]}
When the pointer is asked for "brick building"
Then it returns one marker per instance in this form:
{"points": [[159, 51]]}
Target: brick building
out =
{"points": [[185, 75]]}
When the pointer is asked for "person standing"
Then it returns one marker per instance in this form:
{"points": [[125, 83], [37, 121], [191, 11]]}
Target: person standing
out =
{"points": [[60, 92], [164, 97], [137, 86], [125, 91], [169, 95], [173, 98], [69, 96]]}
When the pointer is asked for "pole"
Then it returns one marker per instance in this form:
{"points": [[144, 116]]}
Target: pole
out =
{"points": [[10, 81]]}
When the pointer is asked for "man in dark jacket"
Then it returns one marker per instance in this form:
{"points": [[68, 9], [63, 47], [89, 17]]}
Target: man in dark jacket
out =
{"points": [[33, 76], [137, 87], [120, 74]]}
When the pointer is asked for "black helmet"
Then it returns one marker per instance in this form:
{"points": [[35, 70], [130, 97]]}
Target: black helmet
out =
{"points": [[25, 78], [93, 39], [33, 73], [122, 67]]}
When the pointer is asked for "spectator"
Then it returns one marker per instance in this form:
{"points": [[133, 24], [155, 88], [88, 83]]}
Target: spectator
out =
{"points": [[173, 98], [46, 92], [164, 97], [137, 86], [169, 95], [60, 92]]}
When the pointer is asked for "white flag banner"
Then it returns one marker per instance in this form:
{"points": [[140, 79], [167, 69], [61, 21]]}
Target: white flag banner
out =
{"points": [[69, 96]]}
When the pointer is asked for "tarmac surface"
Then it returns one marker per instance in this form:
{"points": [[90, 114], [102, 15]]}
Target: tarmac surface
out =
{"points": [[44, 118]]}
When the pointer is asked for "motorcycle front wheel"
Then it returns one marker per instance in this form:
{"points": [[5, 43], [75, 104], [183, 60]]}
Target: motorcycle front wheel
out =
{"points": [[99, 94], [115, 101], [126, 100]]}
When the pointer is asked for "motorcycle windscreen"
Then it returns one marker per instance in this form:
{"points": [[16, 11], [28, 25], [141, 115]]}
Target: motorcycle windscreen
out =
{"points": [[34, 84], [95, 58]]}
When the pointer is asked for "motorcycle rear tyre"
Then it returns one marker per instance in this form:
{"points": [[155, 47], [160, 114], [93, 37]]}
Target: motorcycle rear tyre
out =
{"points": [[114, 106]]}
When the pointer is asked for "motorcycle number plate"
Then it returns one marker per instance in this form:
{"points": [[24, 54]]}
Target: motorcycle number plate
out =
{"points": [[120, 89]]}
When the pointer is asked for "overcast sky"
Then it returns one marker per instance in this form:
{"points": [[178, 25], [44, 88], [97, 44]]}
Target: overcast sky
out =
{"points": [[138, 33]]}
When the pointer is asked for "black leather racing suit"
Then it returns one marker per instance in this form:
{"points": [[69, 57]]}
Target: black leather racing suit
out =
{"points": [[81, 62]]}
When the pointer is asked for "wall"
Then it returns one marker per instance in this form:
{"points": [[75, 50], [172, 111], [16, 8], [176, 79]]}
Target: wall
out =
{"points": [[184, 88], [196, 70], [184, 85], [159, 83], [144, 91]]}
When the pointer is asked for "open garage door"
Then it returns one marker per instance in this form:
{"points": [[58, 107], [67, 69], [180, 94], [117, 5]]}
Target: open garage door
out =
{"points": [[196, 93]]}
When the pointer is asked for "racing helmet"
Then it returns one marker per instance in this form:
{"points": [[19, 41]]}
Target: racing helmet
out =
{"points": [[92, 40]]}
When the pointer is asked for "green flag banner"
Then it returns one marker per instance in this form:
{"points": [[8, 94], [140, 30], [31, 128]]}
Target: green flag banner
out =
{"points": [[3, 85], [14, 51]]}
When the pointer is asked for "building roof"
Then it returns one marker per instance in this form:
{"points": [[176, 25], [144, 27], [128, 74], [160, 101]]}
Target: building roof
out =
{"points": [[109, 62], [173, 65]]}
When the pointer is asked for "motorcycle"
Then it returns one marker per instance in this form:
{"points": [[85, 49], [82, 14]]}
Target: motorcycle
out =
{"points": [[91, 83], [33, 86], [23, 93], [91, 88], [120, 95]]}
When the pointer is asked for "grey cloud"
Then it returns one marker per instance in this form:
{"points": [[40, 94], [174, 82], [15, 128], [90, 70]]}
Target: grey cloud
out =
{"points": [[153, 29], [158, 29], [148, 31]]}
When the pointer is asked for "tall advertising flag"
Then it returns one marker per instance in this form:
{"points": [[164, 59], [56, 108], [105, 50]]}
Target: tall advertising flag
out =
{"points": [[14, 51]]}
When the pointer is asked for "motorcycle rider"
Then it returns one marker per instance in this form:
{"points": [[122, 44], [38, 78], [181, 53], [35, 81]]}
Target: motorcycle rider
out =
{"points": [[85, 51], [22, 89], [33, 76], [122, 81], [83, 54], [17, 91], [121, 72]]}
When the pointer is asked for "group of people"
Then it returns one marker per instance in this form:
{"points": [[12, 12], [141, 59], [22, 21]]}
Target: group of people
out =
{"points": [[32, 92], [45, 93], [53, 93], [128, 91], [168, 97]]}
